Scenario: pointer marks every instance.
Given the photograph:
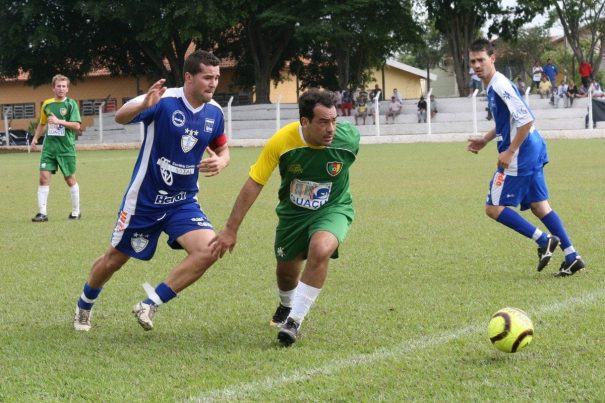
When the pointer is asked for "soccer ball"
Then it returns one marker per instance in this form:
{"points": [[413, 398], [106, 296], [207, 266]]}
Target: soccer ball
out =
{"points": [[510, 330]]}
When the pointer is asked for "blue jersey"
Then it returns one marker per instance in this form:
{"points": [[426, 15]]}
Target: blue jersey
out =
{"points": [[510, 112], [166, 172]]}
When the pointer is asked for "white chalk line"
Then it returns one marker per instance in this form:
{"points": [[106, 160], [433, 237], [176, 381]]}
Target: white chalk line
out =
{"points": [[240, 391]]}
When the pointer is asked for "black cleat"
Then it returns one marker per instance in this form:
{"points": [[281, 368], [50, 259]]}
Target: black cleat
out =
{"points": [[569, 269], [288, 333], [40, 218], [71, 216], [280, 316], [545, 252]]}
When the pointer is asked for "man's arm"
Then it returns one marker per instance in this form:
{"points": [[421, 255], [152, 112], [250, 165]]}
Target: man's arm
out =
{"points": [[52, 119], [476, 144], [226, 239], [506, 156], [37, 134], [130, 110]]}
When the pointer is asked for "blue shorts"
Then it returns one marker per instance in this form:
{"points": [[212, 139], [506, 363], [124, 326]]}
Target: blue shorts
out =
{"points": [[137, 235], [506, 190]]}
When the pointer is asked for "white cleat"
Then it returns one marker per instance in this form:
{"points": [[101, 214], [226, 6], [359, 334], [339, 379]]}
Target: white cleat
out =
{"points": [[82, 319], [144, 314]]}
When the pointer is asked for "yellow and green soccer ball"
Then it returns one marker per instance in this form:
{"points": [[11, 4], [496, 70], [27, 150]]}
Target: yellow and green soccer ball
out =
{"points": [[510, 330]]}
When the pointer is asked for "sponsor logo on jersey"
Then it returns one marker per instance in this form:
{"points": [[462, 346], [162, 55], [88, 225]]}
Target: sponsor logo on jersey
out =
{"points": [[139, 242], [164, 198], [309, 195], [208, 125], [178, 118], [167, 168], [295, 169], [334, 168], [188, 141]]}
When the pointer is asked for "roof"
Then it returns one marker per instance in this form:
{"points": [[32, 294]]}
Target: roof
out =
{"points": [[410, 69]]}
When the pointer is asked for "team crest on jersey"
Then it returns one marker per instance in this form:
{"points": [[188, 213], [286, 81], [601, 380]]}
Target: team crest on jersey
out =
{"points": [[63, 111], [178, 118], [139, 242], [209, 125], [334, 168], [188, 141]]}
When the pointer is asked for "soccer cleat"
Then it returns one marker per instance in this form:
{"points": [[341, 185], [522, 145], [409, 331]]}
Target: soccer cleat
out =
{"points": [[144, 314], [545, 252], [569, 269], [280, 316], [73, 216], [288, 333], [82, 319], [40, 218]]}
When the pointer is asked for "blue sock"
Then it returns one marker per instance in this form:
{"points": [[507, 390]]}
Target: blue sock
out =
{"points": [[88, 297], [553, 222], [164, 292], [513, 220]]}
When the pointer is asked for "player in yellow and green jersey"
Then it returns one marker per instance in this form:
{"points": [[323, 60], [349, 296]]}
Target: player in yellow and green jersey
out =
{"points": [[315, 207], [59, 121]]}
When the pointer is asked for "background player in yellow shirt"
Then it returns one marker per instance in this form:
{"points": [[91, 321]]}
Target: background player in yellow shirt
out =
{"points": [[59, 120]]}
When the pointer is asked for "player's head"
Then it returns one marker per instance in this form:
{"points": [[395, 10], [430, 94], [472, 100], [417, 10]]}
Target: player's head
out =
{"points": [[60, 85], [318, 116], [201, 73], [482, 59]]}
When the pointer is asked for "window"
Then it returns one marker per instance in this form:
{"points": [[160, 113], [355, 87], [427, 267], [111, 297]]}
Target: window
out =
{"points": [[19, 111], [90, 107]]}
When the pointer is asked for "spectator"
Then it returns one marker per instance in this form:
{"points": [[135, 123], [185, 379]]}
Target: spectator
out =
{"points": [[433, 106], [394, 110], [521, 86], [545, 87], [397, 96], [551, 73], [421, 113], [561, 95], [361, 110], [585, 72], [376, 91], [338, 96], [536, 74], [347, 103], [597, 91], [572, 92], [475, 83]]}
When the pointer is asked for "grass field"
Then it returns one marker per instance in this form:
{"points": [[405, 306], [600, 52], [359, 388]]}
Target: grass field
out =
{"points": [[403, 315]]}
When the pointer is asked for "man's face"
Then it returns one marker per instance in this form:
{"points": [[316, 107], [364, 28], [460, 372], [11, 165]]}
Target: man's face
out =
{"points": [[60, 89], [320, 130], [202, 85], [483, 64]]}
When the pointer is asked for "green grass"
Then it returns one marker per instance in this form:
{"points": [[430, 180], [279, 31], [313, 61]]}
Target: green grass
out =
{"points": [[403, 315]]}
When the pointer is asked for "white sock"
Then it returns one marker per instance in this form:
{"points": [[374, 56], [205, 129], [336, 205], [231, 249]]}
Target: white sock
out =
{"points": [[303, 300], [43, 198], [75, 199], [285, 297]]}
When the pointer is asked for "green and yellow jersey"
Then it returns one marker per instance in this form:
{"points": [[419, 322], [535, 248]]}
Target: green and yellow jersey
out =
{"points": [[59, 140], [314, 179]]}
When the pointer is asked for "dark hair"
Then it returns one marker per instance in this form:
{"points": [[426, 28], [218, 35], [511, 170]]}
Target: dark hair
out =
{"points": [[193, 61], [312, 97], [482, 44]]}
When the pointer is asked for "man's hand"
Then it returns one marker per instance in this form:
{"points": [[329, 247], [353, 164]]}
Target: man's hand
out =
{"points": [[213, 164], [225, 240], [505, 158], [476, 144]]}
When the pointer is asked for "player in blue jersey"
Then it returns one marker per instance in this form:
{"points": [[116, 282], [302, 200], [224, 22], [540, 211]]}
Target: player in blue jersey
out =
{"points": [[519, 177], [162, 193]]}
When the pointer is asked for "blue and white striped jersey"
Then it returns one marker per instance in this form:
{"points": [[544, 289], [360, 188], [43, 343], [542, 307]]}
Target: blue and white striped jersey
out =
{"points": [[510, 112], [165, 173]]}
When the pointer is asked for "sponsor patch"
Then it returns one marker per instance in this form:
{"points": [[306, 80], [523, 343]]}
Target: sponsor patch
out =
{"points": [[178, 118], [309, 195], [209, 125]]}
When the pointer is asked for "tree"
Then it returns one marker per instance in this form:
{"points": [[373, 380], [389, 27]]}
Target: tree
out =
{"points": [[347, 40], [461, 21]]}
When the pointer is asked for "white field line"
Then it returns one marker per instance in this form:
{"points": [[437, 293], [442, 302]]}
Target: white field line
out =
{"points": [[240, 391]]}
